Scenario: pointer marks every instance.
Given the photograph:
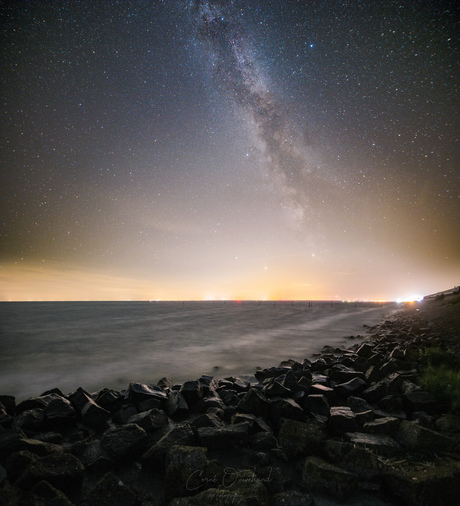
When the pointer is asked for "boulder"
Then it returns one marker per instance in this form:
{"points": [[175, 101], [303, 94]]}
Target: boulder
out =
{"points": [[181, 434], [341, 373], [185, 470], [432, 485], [109, 399], [94, 415], [375, 392], [150, 420], [320, 476], [49, 494], [59, 411], [419, 401], [110, 491], [138, 392], [62, 470], [317, 404], [285, 408], [382, 444], [192, 392], [79, 398], [415, 437], [385, 425], [255, 402], [30, 420], [125, 442], [362, 462], [300, 437], [225, 437], [176, 406], [275, 389], [342, 419], [352, 387]]}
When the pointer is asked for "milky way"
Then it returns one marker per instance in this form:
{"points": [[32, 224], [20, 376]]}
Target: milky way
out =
{"points": [[189, 149]]}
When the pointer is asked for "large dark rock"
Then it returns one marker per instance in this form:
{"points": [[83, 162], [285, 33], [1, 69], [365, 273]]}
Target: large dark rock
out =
{"points": [[109, 399], [125, 442], [342, 419], [285, 408], [341, 374], [275, 389], [150, 420], [59, 411], [429, 485], [110, 491], [79, 398], [138, 393], [192, 391], [319, 476], [317, 404], [185, 470], [225, 437], [272, 372], [94, 415], [49, 494], [385, 425], [62, 470], [419, 401], [413, 436], [352, 387], [30, 420], [255, 402], [16, 463], [381, 444], [177, 406], [300, 437], [36, 402], [181, 434]]}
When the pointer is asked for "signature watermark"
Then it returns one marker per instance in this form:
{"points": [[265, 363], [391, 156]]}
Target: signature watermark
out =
{"points": [[229, 478]]}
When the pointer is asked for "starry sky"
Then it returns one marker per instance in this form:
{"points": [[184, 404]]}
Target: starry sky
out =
{"points": [[210, 149]]}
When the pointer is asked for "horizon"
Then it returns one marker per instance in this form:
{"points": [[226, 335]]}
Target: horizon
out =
{"points": [[222, 150]]}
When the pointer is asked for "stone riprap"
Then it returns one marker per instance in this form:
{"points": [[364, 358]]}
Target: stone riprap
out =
{"points": [[351, 424]]}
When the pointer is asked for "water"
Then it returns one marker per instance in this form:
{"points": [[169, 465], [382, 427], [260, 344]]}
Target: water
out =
{"points": [[109, 344]]}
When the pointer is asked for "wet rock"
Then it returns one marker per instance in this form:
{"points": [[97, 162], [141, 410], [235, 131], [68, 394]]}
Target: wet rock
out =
{"points": [[62, 470], [192, 392], [90, 451], [217, 438], [109, 399], [239, 385], [317, 404], [341, 374], [352, 387], [207, 420], [415, 437], [342, 419], [176, 406], [419, 401], [319, 476], [300, 437], [138, 392], [125, 442], [272, 372], [255, 402], [59, 411], [322, 389], [275, 389], [16, 463], [375, 392], [110, 491], [181, 434], [386, 425], [9, 403], [365, 350], [229, 397], [94, 415], [209, 402], [30, 420], [335, 451], [34, 446], [285, 408], [262, 441], [36, 402], [185, 470], [124, 414], [292, 498], [433, 485], [150, 420], [79, 398], [382, 444], [449, 424], [49, 494], [362, 462], [358, 405]]}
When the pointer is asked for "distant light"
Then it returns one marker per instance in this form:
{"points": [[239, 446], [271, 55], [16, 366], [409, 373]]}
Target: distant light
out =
{"points": [[411, 298]]}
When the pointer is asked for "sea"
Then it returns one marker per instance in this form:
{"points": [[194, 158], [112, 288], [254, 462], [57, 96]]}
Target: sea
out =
{"points": [[94, 345]]}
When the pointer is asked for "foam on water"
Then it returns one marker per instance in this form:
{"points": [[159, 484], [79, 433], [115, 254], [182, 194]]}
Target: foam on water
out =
{"points": [[109, 344]]}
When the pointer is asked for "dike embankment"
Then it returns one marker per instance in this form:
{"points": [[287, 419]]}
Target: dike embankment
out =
{"points": [[358, 425]]}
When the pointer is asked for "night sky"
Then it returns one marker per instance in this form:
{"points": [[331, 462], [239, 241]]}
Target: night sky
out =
{"points": [[187, 149]]}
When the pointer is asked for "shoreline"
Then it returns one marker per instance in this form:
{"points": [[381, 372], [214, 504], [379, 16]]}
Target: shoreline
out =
{"points": [[351, 424]]}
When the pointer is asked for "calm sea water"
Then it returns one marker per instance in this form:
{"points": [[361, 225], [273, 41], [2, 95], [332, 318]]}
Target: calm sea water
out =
{"points": [[109, 344]]}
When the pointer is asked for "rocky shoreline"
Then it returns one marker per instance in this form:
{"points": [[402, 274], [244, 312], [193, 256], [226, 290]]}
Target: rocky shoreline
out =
{"points": [[351, 425]]}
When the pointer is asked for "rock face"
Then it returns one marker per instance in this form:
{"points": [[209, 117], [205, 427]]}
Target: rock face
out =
{"points": [[354, 421]]}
